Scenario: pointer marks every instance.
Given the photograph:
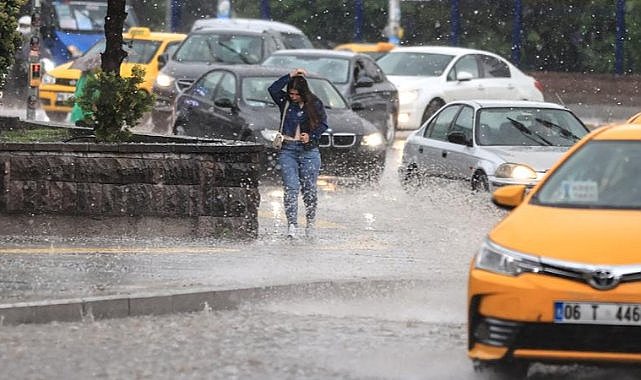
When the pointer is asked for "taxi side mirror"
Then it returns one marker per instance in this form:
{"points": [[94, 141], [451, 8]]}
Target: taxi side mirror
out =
{"points": [[162, 60], [508, 197]]}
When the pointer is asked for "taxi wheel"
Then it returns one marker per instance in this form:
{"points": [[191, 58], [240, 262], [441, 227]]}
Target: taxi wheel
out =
{"points": [[480, 182], [58, 117], [411, 179]]}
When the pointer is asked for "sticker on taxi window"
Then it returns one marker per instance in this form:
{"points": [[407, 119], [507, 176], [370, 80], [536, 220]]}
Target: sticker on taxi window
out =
{"points": [[580, 191]]}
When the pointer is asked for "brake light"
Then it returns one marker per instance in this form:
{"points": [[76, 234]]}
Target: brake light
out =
{"points": [[538, 85]]}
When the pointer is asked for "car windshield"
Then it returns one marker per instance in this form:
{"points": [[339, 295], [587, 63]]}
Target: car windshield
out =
{"points": [[86, 16], [221, 48], [138, 51], [254, 92], [414, 64], [602, 174], [526, 126], [336, 70]]}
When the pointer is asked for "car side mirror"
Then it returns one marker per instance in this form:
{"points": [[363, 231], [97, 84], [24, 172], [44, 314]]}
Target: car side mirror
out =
{"points": [[162, 60], [508, 197], [357, 106], [364, 81], [458, 138], [464, 76], [224, 103]]}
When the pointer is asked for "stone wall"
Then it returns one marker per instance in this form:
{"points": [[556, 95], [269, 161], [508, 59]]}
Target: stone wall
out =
{"points": [[161, 189]]}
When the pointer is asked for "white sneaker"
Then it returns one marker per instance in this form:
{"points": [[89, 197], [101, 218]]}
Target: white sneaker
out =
{"points": [[291, 231]]}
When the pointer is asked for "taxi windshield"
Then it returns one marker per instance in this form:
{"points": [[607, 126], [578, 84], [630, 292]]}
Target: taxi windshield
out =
{"points": [[138, 51], [602, 174]]}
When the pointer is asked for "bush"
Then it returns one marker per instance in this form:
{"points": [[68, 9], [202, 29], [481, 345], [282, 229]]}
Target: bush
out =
{"points": [[113, 104]]}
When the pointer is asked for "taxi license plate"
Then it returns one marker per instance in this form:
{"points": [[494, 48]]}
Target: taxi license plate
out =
{"points": [[597, 313], [63, 96]]}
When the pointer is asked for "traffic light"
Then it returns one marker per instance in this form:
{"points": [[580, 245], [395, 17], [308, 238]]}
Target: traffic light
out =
{"points": [[34, 74]]}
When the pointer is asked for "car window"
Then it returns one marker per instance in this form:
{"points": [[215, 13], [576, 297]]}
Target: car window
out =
{"points": [[467, 64], [224, 48], [140, 51], [254, 91], [226, 88], [441, 124], [464, 122], [414, 64], [296, 41], [493, 67], [206, 85], [171, 47], [603, 174]]}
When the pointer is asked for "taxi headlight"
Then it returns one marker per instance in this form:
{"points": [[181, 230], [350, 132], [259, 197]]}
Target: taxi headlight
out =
{"points": [[407, 96], [374, 139], [164, 80], [494, 258], [515, 171], [48, 79]]}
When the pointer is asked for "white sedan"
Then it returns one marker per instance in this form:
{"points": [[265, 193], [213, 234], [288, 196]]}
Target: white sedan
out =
{"points": [[427, 77], [490, 143]]}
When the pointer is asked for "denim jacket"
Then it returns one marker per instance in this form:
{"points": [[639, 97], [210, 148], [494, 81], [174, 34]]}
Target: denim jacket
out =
{"points": [[295, 115]]}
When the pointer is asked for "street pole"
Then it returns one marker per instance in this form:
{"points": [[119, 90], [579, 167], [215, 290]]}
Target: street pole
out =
{"points": [[265, 10], [516, 33], [224, 9], [358, 21], [455, 17], [35, 68], [394, 22]]}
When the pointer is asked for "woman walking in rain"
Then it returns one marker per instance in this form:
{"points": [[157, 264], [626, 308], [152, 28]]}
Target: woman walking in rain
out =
{"points": [[304, 121]]}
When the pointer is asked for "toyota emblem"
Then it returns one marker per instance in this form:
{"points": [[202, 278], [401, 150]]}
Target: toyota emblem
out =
{"points": [[603, 279]]}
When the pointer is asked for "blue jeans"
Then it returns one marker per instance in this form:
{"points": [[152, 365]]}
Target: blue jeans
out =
{"points": [[299, 170]]}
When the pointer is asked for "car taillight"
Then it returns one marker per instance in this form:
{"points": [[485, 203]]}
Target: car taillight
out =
{"points": [[538, 85]]}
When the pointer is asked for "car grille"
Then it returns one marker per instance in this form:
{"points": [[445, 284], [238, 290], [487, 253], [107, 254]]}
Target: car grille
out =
{"points": [[66, 82], [601, 278], [562, 337], [338, 140], [183, 83]]}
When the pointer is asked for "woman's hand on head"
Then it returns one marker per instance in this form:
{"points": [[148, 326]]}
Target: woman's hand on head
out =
{"points": [[298, 72]]}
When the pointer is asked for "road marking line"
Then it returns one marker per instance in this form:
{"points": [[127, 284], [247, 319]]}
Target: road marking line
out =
{"points": [[85, 250]]}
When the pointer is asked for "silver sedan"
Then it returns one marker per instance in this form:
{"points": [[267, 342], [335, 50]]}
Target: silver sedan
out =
{"points": [[490, 143]]}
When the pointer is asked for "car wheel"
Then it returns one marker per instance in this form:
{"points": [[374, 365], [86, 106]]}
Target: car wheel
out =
{"points": [[57, 117], [410, 179], [480, 182], [435, 105], [390, 129]]}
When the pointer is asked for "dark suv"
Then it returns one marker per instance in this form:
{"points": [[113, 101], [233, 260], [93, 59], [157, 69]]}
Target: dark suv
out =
{"points": [[217, 42]]}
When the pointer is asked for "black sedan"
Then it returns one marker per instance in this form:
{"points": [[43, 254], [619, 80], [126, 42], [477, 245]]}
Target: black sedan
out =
{"points": [[232, 102], [358, 78]]}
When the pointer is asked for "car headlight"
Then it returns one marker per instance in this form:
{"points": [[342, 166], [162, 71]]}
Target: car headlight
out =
{"points": [[374, 139], [407, 96], [494, 258], [48, 79], [164, 80], [515, 171]]}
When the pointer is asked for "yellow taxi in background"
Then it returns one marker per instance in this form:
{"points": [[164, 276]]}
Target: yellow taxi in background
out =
{"points": [[143, 48], [374, 50], [559, 279]]}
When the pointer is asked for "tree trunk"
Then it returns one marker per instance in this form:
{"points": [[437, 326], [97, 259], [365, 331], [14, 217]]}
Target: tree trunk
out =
{"points": [[114, 22]]}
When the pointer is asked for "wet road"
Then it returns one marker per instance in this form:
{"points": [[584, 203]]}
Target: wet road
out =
{"points": [[412, 326]]}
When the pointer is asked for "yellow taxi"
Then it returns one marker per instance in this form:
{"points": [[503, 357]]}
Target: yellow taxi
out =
{"points": [[143, 48], [636, 119], [375, 50], [559, 279]]}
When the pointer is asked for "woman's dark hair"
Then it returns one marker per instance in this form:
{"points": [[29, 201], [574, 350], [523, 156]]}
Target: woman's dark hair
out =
{"points": [[300, 84]]}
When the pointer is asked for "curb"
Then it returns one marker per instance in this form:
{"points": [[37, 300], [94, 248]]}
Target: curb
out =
{"points": [[194, 300]]}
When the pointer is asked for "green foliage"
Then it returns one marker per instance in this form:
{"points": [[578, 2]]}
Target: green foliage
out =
{"points": [[35, 135], [10, 38], [114, 104]]}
